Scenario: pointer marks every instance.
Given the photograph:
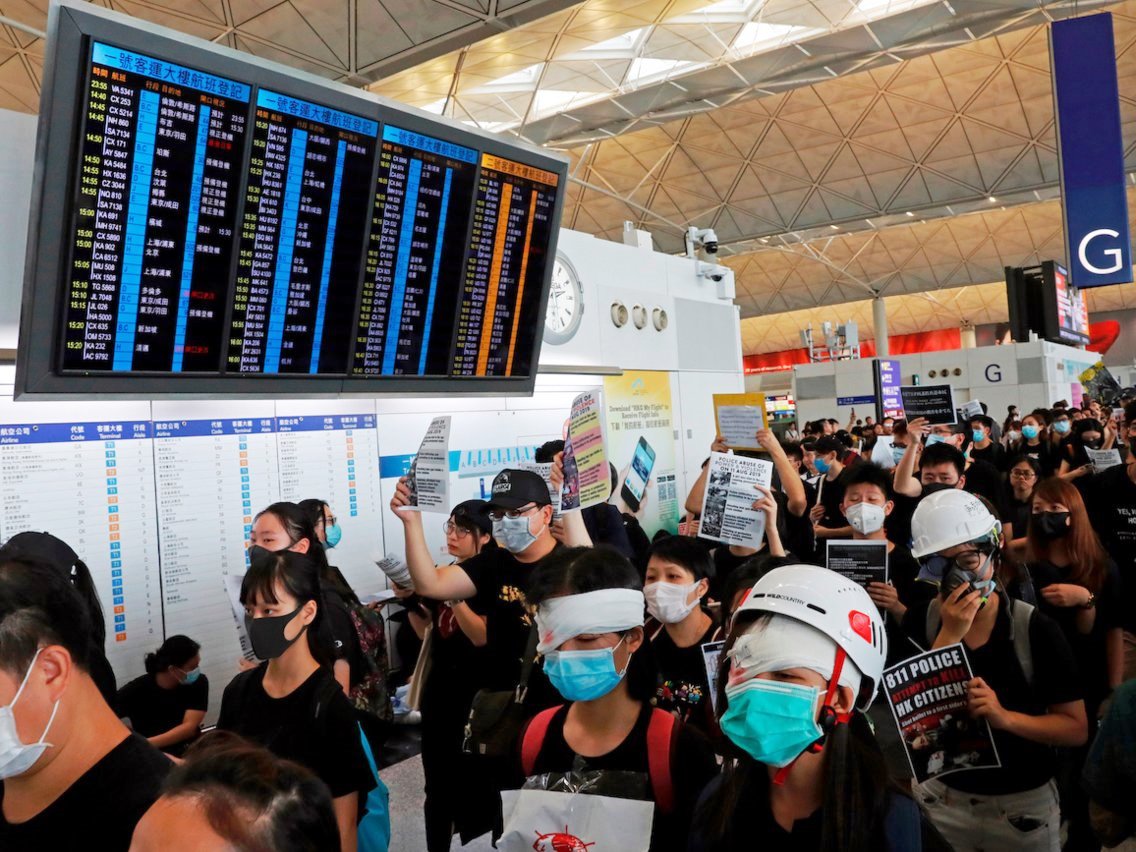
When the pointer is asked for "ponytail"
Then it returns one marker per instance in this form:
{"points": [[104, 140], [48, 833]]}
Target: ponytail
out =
{"points": [[176, 651]]}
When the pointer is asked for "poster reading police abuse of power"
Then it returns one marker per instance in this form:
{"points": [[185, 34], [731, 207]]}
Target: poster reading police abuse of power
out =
{"points": [[927, 694]]}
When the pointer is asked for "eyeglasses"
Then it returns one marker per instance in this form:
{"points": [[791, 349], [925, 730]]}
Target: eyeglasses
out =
{"points": [[450, 528], [500, 514], [330, 522], [968, 560], [1022, 474]]}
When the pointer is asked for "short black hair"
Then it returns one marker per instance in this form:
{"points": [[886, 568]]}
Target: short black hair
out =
{"points": [[253, 799], [868, 473], [981, 419], [300, 577], [686, 553], [937, 454], [746, 575], [39, 606], [793, 450], [1034, 464], [1087, 424], [547, 451], [829, 444], [577, 570]]}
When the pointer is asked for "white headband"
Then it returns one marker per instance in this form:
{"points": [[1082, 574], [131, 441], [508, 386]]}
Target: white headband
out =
{"points": [[604, 611], [785, 643]]}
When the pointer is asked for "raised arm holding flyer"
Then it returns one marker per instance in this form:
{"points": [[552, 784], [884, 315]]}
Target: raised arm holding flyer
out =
{"points": [[429, 476], [728, 514]]}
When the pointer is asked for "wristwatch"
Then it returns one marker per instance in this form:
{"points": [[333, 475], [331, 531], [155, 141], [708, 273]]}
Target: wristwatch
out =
{"points": [[1090, 603]]}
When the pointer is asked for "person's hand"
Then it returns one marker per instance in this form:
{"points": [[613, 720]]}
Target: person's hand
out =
{"points": [[621, 504], [886, 597], [556, 476], [719, 445], [557, 530], [767, 440], [919, 428], [1082, 471], [982, 703], [767, 504], [1066, 594], [401, 500], [816, 513], [400, 592], [959, 610]]}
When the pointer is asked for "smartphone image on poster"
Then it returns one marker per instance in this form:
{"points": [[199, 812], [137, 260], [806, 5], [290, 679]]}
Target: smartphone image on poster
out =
{"points": [[640, 471]]}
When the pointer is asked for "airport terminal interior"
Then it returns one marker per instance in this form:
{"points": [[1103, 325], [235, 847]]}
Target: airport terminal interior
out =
{"points": [[618, 425]]}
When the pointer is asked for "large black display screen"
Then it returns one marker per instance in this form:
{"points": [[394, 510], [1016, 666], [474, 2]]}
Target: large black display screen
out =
{"points": [[229, 226]]}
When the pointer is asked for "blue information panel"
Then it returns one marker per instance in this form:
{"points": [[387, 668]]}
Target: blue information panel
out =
{"points": [[154, 212], [305, 219], [411, 288]]}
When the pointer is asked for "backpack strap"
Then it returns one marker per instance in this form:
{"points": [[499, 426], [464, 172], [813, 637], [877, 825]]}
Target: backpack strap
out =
{"points": [[660, 741], [532, 741], [934, 620], [325, 694], [1021, 613]]}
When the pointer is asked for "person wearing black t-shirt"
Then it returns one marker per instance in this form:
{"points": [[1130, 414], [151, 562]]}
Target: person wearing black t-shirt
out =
{"points": [[983, 446], [73, 776], [1088, 434], [828, 521], [291, 704], [1017, 501], [1030, 708], [1036, 444], [168, 703]]}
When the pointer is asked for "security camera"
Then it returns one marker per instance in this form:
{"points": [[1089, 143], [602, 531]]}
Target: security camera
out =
{"points": [[711, 271], [704, 237]]}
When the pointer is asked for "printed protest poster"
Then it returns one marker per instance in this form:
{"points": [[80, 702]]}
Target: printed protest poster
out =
{"points": [[429, 477], [586, 463], [936, 403], [544, 471], [972, 409], [739, 417], [396, 570], [641, 443], [233, 592], [927, 695], [711, 656], [1103, 459], [728, 515], [861, 562]]}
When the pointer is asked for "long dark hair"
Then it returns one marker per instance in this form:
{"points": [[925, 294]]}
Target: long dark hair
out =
{"points": [[857, 785], [299, 576], [576, 570], [1088, 564], [175, 651], [298, 520]]}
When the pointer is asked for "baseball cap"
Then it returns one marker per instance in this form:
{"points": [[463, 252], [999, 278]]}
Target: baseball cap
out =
{"points": [[475, 512], [515, 488], [42, 547]]}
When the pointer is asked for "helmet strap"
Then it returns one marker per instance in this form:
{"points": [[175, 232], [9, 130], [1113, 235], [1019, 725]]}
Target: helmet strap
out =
{"points": [[828, 720]]}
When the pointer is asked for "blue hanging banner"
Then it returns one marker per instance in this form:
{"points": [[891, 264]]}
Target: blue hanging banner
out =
{"points": [[1091, 151]]}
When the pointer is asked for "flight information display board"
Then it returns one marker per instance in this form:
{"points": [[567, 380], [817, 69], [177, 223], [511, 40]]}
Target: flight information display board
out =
{"points": [[422, 198], [512, 224], [154, 212], [208, 223], [305, 211]]}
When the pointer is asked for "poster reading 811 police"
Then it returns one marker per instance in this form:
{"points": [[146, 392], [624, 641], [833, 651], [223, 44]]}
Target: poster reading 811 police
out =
{"points": [[640, 443]]}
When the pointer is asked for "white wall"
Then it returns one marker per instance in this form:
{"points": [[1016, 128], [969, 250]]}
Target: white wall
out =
{"points": [[17, 153]]}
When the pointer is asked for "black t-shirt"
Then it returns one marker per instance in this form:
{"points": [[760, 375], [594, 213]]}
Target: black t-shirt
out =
{"points": [[725, 563], [501, 582], [898, 523], [684, 688], [604, 524], [314, 725], [1088, 649], [1043, 452], [1026, 765], [344, 637], [153, 710], [99, 811], [994, 455], [831, 496], [1015, 511], [983, 479], [1111, 501], [692, 766]]}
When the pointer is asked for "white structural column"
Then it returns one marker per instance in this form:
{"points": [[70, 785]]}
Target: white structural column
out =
{"points": [[880, 326], [967, 337]]}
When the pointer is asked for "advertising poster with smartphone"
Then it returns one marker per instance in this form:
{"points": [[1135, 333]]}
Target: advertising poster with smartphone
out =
{"points": [[641, 445]]}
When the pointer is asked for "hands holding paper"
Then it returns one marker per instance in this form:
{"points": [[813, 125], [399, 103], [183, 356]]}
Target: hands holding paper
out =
{"points": [[402, 498]]}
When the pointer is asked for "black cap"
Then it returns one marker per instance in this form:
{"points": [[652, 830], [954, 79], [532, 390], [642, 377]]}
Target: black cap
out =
{"points": [[475, 512], [515, 488], [42, 547], [829, 444]]}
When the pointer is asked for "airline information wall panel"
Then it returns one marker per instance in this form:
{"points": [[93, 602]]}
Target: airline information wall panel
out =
{"points": [[301, 237], [410, 290], [92, 485], [155, 206], [508, 253]]}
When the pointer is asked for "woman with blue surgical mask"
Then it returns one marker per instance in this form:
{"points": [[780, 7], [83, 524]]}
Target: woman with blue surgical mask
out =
{"points": [[799, 670], [167, 704], [645, 767]]}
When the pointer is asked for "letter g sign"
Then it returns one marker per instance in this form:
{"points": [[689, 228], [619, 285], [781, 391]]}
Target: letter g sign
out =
{"points": [[993, 373], [1114, 253]]}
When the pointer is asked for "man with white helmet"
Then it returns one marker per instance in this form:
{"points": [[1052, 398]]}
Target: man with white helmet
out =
{"points": [[803, 662], [1026, 684]]}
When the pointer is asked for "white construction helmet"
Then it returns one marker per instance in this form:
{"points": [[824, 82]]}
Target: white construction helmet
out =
{"points": [[836, 606], [949, 518]]}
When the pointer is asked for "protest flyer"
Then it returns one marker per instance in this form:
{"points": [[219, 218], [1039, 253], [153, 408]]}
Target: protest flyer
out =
{"points": [[711, 656], [233, 592], [1103, 459], [728, 515], [861, 562], [936, 403], [544, 471], [927, 696], [429, 476], [972, 409], [396, 570], [739, 417], [591, 482]]}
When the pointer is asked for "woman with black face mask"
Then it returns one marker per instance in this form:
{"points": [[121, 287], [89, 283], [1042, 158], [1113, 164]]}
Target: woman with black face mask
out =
{"points": [[291, 704], [1079, 588], [1088, 434]]}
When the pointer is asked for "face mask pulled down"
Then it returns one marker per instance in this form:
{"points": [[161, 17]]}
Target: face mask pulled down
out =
{"points": [[16, 756]]}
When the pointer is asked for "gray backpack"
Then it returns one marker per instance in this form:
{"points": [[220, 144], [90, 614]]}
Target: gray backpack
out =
{"points": [[1020, 615]]}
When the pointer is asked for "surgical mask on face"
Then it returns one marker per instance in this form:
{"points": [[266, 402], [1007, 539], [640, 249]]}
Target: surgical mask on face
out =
{"points": [[1051, 525], [978, 435], [334, 535], [191, 676], [1013, 436], [1030, 432], [583, 675], [513, 534], [267, 634], [668, 602], [821, 465], [866, 518], [16, 756], [897, 453], [933, 439], [1062, 427], [772, 721]]}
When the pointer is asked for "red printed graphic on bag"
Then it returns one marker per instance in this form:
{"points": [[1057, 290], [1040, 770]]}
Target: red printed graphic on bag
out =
{"points": [[556, 841]]}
